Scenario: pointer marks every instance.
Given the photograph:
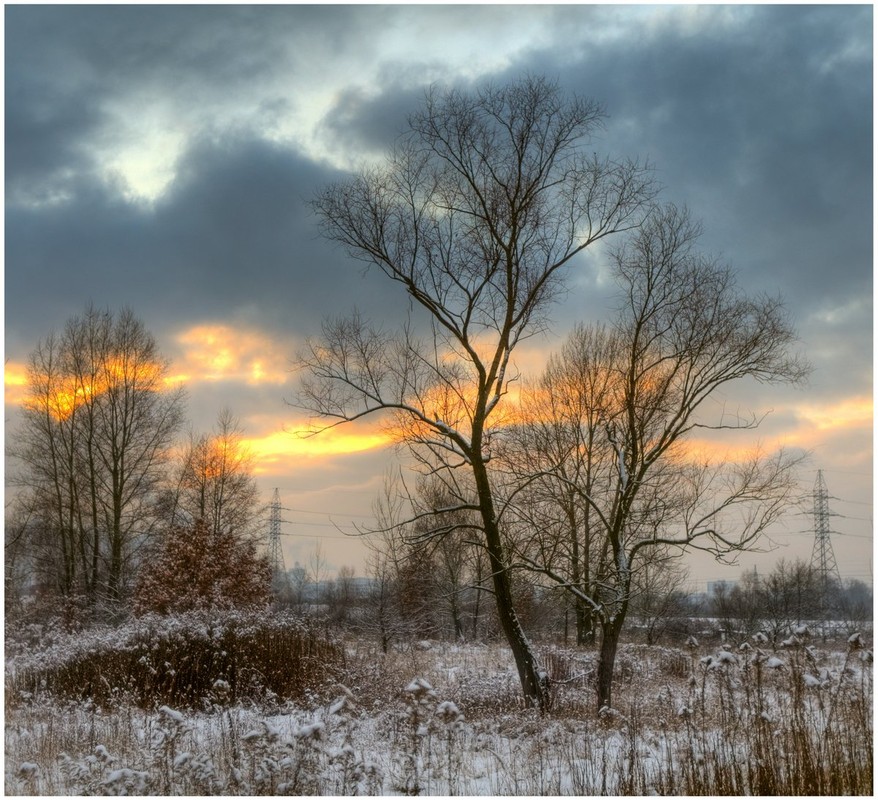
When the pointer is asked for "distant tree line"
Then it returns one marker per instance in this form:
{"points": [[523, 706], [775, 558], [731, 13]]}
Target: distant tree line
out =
{"points": [[410, 595]]}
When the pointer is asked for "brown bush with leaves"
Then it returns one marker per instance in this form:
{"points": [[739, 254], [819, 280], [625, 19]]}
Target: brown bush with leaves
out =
{"points": [[196, 568]]}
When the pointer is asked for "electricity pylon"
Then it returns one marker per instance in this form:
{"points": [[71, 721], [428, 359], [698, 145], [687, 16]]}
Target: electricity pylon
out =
{"points": [[275, 552], [822, 556]]}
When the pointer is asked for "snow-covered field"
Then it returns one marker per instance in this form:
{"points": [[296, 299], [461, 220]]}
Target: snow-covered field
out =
{"points": [[445, 719]]}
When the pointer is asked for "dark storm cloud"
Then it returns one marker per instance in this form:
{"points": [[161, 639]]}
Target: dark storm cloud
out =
{"points": [[233, 231], [66, 65], [372, 124], [758, 118], [765, 133], [762, 125], [760, 122]]}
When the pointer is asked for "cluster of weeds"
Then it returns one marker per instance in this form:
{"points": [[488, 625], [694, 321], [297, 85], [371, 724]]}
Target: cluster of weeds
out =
{"points": [[791, 722], [176, 661]]}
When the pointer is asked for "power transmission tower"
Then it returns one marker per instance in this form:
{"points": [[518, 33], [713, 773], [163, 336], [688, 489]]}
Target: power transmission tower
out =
{"points": [[822, 556], [275, 552]]}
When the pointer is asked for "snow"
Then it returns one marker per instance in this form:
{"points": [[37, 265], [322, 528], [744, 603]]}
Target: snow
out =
{"points": [[314, 730], [339, 705], [418, 686], [171, 714], [470, 735], [102, 754]]}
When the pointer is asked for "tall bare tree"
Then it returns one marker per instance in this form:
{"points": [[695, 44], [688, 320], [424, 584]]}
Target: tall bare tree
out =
{"points": [[685, 329], [475, 215], [93, 443]]}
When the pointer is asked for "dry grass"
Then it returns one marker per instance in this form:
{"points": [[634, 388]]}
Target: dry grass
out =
{"points": [[180, 661], [683, 725]]}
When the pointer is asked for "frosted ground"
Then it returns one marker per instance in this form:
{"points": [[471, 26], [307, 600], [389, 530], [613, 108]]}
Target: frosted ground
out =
{"points": [[441, 719]]}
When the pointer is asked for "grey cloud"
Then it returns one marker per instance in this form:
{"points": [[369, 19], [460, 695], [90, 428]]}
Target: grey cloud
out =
{"points": [[362, 123], [67, 65], [232, 233], [760, 120], [764, 141]]}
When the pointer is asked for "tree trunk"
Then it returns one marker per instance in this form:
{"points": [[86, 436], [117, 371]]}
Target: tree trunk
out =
{"points": [[584, 623], [610, 633], [477, 603], [535, 690]]}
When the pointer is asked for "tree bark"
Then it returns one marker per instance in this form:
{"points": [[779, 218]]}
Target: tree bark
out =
{"points": [[610, 634]]}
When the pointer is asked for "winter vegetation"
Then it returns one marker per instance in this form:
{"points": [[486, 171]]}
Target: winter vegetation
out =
{"points": [[519, 628], [194, 705]]}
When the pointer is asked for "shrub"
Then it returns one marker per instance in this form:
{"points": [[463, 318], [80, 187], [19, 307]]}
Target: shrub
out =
{"points": [[196, 568], [183, 661]]}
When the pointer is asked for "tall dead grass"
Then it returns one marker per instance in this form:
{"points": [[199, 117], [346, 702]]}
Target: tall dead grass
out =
{"points": [[444, 720]]}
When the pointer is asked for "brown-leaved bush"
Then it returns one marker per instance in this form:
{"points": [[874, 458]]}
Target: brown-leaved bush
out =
{"points": [[196, 569]]}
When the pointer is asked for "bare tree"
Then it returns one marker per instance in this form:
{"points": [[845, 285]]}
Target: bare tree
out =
{"points": [[18, 553], [94, 440], [215, 483], [319, 571], [657, 600], [559, 454], [478, 210], [686, 330], [384, 561]]}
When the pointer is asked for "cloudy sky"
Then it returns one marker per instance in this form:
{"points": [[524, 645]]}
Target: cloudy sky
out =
{"points": [[161, 157]]}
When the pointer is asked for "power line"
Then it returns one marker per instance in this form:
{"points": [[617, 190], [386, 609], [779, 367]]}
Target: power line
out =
{"points": [[316, 536], [328, 513]]}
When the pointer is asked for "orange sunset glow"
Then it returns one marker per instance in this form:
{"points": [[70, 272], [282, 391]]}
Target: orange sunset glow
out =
{"points": [[222, 352], [850, 412], [281, 447], [14, 383], [67, 393]]}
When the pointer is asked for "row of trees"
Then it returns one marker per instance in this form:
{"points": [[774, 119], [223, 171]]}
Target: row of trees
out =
{"points": [[792, 593], [477, 215], [411, 594], [103, 479]]}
